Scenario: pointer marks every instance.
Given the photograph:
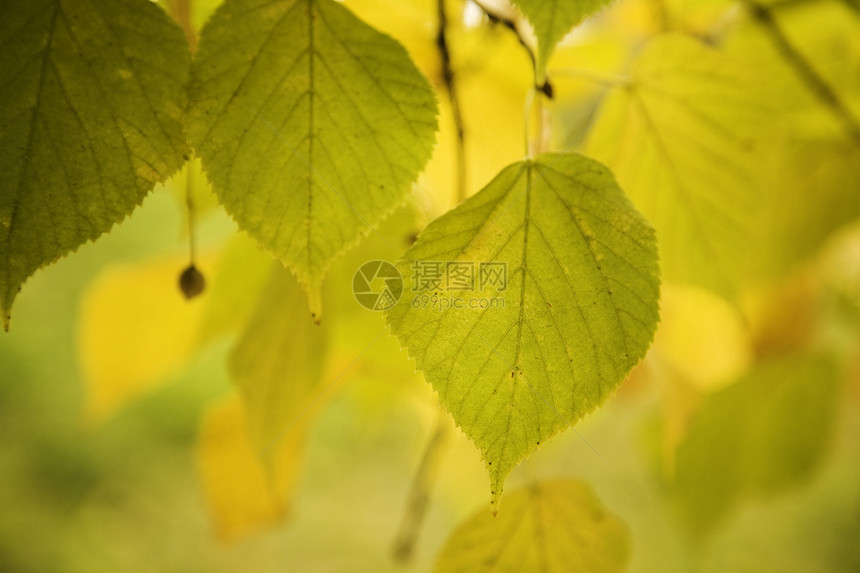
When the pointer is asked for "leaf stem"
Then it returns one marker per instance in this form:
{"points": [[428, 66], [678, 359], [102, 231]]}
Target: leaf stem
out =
{"points": [[451, 88], [804, 70], [191, 207], [181, 12], [419, 493], [496, 17]]}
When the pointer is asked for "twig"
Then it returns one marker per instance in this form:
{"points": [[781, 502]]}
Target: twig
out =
{"points": [[419, 493], [804, 70], [451, 88], [496, 17]]}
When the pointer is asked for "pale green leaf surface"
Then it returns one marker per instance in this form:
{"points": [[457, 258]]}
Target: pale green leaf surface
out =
{"points": [[767, 432], [278, 361], [580, 305], [311, 126], [90, 119], [553, 19], [685, 139], [553, 527], [233, 287]]}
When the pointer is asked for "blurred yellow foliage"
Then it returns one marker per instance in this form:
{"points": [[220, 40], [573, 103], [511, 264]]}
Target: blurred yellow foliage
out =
{"points": [[245, 494], [135, 331]]}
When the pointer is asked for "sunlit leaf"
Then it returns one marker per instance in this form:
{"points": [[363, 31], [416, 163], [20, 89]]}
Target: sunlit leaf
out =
{"points": [[555, 526], [518, 360], [767, 432], [244, 494], [135, 330], [90, 120], [684, 138], [553, 19], [311, 126]]}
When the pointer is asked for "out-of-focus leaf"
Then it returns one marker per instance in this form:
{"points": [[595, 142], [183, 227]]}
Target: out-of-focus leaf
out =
{"points": [[312, 126], [815, 190], [135, 330], [552, 527], [278, 361], [244, 494], [702, 336], [90, 120], [826, 36], [767, 432], [233, 286], [572, 306], [251, 449], [813, 195], [683, 138]]}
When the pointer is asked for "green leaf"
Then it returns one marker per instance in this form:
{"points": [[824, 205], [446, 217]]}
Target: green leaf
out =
{"points": [[765, 433], [555, 526], [90, 119], [578, 310], [552, 20], [311, 126], [685, 138], [278, 361]]}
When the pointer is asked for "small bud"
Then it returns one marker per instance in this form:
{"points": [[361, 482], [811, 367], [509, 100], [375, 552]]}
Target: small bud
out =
{"points": [[546, 88], [191, 282]]}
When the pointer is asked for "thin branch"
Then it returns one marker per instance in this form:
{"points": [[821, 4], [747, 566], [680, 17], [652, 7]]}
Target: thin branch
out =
{"points": [[496, 17], [451, 88], [804, 70], [419, 493]]}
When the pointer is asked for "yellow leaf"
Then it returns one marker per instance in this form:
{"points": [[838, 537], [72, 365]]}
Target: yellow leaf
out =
{"points": [[135, 330], [243, 493], [702, 337]]}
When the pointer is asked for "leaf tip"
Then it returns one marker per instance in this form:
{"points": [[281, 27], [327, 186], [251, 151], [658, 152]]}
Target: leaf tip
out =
{"points": [[314, 294], [495, 500], [6, 316]]}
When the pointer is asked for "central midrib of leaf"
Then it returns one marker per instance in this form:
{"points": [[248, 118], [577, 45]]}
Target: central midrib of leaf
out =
{"points": [[310, 160], [526, 221]]}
